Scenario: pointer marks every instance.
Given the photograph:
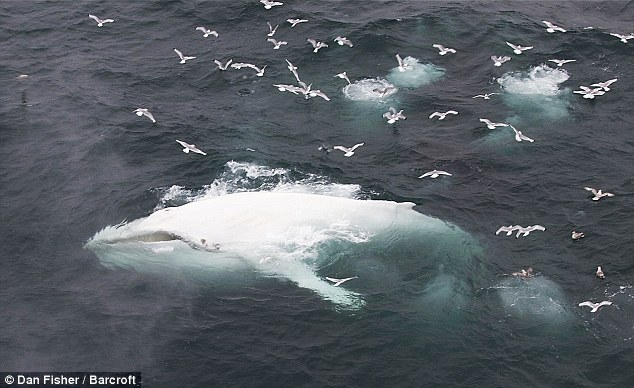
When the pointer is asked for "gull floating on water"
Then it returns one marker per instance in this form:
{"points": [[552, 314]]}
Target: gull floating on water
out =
{"points": [[270, 4], [561, 62], [589, 92], [524, 273], [221, 66], [492, 125], [598, 194], [341, 40], [144, 112], [316, 45], [295, 22], [486, 96], [600, 273], [498, 61], [434, 174], [519, 136], [595, 306], [577, 235], [552, 28], [344, 76], [340, 281], [402, 66], [190, 147], [276, 44], [182, 57], [623, 38], [99, 21], [441, 116], [517, 49], [206, 32], [271, 29], [392, 115], [443, 50], [348, 151], [605, 85]]}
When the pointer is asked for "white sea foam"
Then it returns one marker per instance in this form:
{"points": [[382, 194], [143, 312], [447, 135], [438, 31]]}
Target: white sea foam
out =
{"points": [[369, 89], [536, 298], [417, 75]]}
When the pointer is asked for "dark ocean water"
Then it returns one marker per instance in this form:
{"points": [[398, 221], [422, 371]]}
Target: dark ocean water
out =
{"points": [[75, 159]]}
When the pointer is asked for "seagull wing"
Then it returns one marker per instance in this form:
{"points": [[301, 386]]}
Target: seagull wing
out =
{"points": [[590, 189], [179, 54], [354, 147], [453, 112], [435, 114]]}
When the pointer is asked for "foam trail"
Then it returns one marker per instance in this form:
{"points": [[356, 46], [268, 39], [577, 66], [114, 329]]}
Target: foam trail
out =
{"points": [[537, 298], [418, 75]]}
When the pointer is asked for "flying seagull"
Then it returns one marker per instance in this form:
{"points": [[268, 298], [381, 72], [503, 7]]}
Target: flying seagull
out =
{"points": [[341, 40], [589, 92], [295, 22], [605, 85], [552, 28], [441, 116], [344, 76], [508, 229], [316, 45], [525, 231], [443, 50], [190, 147], [561, 62], [99, 21], [270, 4], [340, 281], [595, 306], [486, 96], [434, 174], [623, 38], [517, 49], [402, 66], [276, 44], [221, 66], [271, 29], [598, 194], [206, 32], [182, 57], [392, 116], [519, 136], [492, 125], [348, 151], [498, 61], [144, 112]]}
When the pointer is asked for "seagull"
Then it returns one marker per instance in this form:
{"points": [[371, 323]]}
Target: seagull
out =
{"points": [[293, 69], [498, 61], [271, 29], [383, 91], [348, 151], [589, 92], [624, 38], [525, 231], [288, 88], [595, 306], [344, 76], [392, 116], [295, 22], [190, 147], [486, 96], [240, 65], [577, 235], [441, 116], [182, 57], [600, 273], [605, 85], [598, 194], [99, 21], [276, 44], [492, 125], [402, 66], [270, 4], [525, 273], [561, 62], [316, 45], [508, 229], [340, 281], [144, 112], [434, 174], [519, 136], [341, 40], [206, 32], [517, 49], [443, 50], [552, 28], [316, 93], [221, 66]]}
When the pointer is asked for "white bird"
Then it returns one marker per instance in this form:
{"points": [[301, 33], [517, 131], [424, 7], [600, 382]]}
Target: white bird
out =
{"points": [[316, 45], [492, 125], [605, 85], [498, 61], [552, 28], [182, 57], [206, 32], [344, 76], [276, 44], [525, 231], [271, 29], [600, 273], [589, 92], [623, 38], [598, 194], [190, 147], [240, 65], [340, 281], [144, 112], [595, 306], [99, 21], [295, 22], [384, 90], [519, 136], [288, 88], [486, 96], [443, 50], [441, 116], [561, 62], [270, 4], [316, 93], [577, 235], [348, 151], [341, 40], [221, 66], [508, 229], [517, 49], [434, 174], [392, 115], [402, 66]]}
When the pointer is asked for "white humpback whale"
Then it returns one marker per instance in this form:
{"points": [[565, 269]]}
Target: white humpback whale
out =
{"points": [[282, 234]]}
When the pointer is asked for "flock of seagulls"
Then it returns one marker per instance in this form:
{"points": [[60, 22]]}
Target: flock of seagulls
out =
{"points": [[599, 89], [521, 231]]}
